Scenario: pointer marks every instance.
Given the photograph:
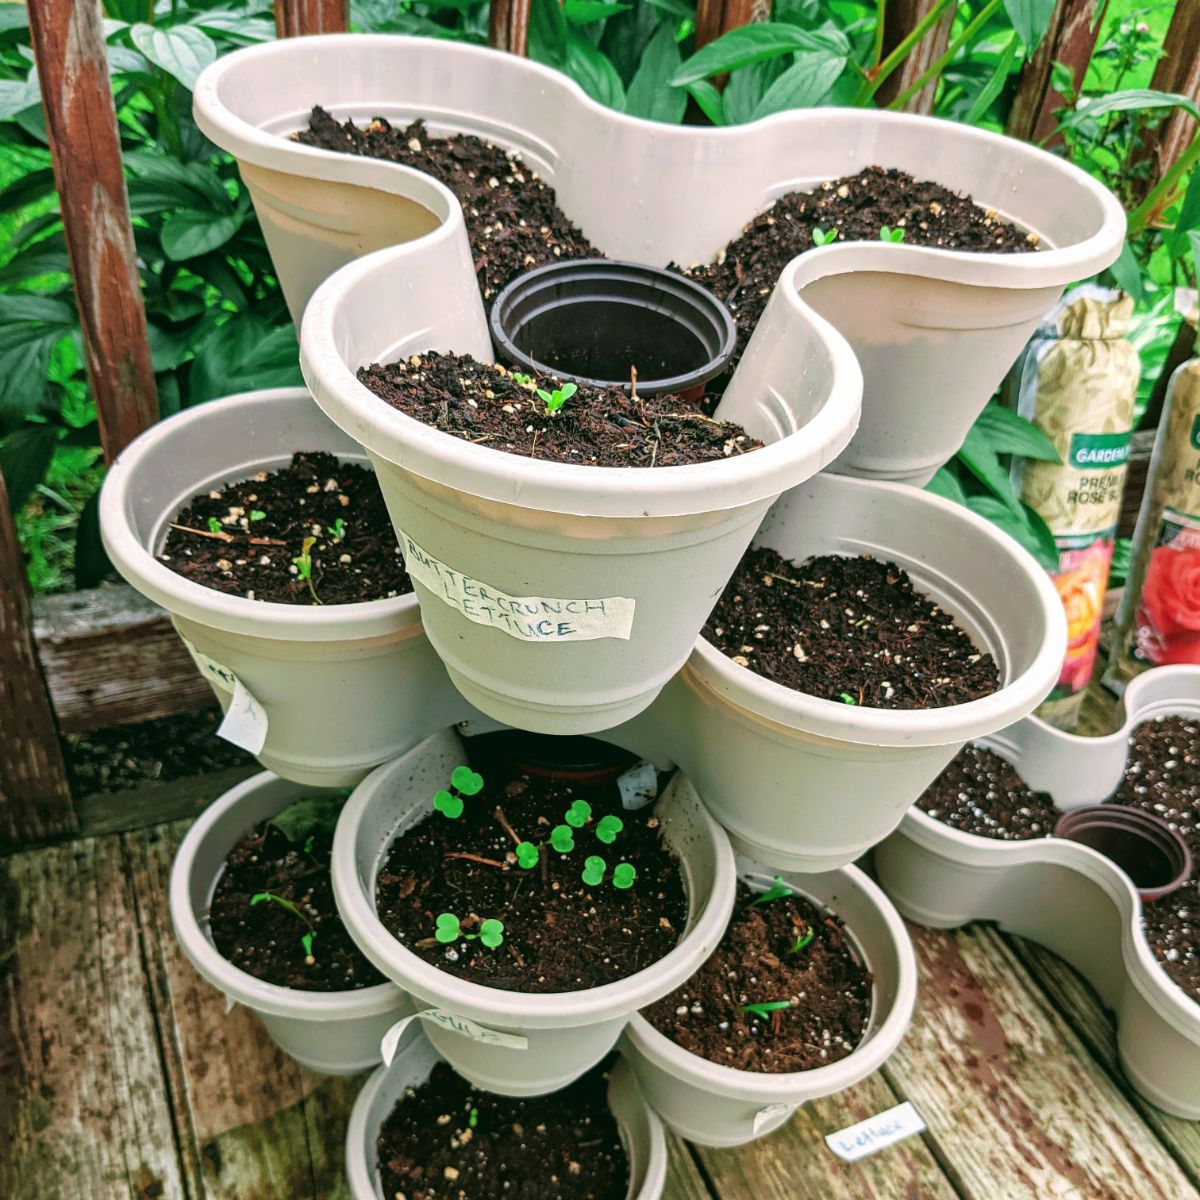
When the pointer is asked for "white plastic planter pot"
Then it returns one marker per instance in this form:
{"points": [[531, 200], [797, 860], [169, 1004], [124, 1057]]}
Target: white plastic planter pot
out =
{"points": [[335, 690], [565, 1033], [935, 331], [810, 784], [715, 1105], [1065, 896], [641, 1132], [336, 1033]]}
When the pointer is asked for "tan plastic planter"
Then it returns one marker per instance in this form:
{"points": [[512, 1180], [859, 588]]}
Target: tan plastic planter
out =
{"points": [[1065, 896], [340, 688], [567, 1032], [935, 331], [336, 1033], [641, 1132], [715, 1105], [810, 784]]}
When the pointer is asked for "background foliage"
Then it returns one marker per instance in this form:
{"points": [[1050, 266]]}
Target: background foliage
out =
{"points": [[216, 316]]}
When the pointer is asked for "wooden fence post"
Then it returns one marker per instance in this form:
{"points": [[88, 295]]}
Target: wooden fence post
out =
{"points": [[508, 26], [1070, 40], [900, 18], [35, 796], [68, 46], [295, 18], [715, 17]]}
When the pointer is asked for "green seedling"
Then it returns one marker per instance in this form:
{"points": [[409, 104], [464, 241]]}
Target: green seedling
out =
{"points": [[449, 929], [607, 829], [578, 814], [307, 940], [308, 845], [803, 941], [556, 399], [846, 698], [765, 1007], [888, 234], [776, 892], [214, 525], [463, 782], [491, 933], [593, 870], [304, 566], [822, 237], [623, 876], [521, 380], [527, 855], [473, 1118], [448, 804], [562, 839], [257, 514], [338, 530]]}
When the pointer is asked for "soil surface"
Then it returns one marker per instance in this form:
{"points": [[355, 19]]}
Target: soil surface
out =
{"points": [[250, 538], [600, 427], [848, 629], [560, 933], [826, 987], [448, 1140], [855, 208], [981, 793], [288, 858], [513, 222]]}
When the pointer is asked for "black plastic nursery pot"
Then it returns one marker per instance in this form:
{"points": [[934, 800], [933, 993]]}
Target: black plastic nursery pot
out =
{"points": [[1154, 856], [593, 320]]}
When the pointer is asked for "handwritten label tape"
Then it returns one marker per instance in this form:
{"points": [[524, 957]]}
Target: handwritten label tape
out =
{"points": [[526, 618], [876, 1132], [453, 1022], [767, 1116], [245, 723]]}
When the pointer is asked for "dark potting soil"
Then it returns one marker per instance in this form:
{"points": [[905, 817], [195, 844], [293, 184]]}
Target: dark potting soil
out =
{"points": [[561, 934], [247, 537], [446, 1139], [826, 988], [856, 208], [600, 427], [852, 629], [513, 222], [287, 858], [981, 793]]}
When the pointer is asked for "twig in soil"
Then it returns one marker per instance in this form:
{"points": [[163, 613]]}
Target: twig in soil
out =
{"points": [[513, 951], [512, 833], [478, 858], [228, 537]]}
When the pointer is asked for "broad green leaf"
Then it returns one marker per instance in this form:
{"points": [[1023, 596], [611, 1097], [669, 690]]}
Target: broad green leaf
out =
{"points": [[1031, 19], [13, 16], [803, 85], [1134, 99], [994, 86], [27, 189], [945, 483], [236, 26], [92, 566], [309, 815], [709, 99], [25, 456], [1188, 217], [1008, 433], [1127, 271], [1194, 242], [584, 12], [21, 306], [753, 43], [188, 234], [183, 51], [1018, 526], [747, 86], [16, 95], [980, 459], [649, 94], [47, 257], [548, 32], [157, 176], [242, 355], [593, 72]]}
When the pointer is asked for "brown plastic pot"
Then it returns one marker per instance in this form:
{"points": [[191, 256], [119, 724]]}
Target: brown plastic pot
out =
{"points": [[1154, 856]]}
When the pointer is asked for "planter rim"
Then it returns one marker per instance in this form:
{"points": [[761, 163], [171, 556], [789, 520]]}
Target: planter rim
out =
{"points": [[547, 1010], [246, 989], [799, 1086], [903, 727], [219, 610], [566, 487], [1055, 265]]}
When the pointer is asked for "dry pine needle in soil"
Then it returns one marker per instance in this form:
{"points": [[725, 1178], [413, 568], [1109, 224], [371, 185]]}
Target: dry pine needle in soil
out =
{"points": [[602, 427], [245, 538], [851, 629], [560, 933], [446, 1140], [785, 951]]}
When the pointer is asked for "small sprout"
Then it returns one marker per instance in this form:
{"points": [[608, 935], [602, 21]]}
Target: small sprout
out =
{"points": [[473, 1118], [766, 1006], [562, 839], [521, 380], [527, 855], [556, 399], [777, 892], [447, 803], [888, 234], [448, 929], [307, 940], [846, 698], [214, 525], [802, 942], [338, 530], [308, 844], [304, 564], [463, 779], [491, 933], [608, 828], [257, 514], [578, 814], [822, 237], [593, 870], [623, 876]]}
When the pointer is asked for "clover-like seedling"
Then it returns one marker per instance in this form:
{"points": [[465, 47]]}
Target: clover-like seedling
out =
{"points": [[562, 839], [803, 941], [593, 870], [338, 529], [214, 525], [766, 1006], [527, 855], [473, 1118], [846, 698], [447, 803], [449, 929], [623, 876], [556, 399], [257, 514], [822, 237], [607, 829], [491, 933], [578, 814], [776, 892], [466, 781], [888, 234], [521, 380], [304, 565], [307, 940]]}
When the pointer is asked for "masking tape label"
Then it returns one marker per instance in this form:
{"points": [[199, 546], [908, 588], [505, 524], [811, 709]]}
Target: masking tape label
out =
{"points": [[765, 1115], [876, 1132], [453, 1022], [245, 722]]}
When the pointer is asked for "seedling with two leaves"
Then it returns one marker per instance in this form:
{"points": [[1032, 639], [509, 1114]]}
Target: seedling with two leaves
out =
{"points": [[304, 566], [595, 868], [764, 1008], [562, 837], [888, 234], [556, 399], [822, 237], [463, 782], [449, 929], [307, 940]]}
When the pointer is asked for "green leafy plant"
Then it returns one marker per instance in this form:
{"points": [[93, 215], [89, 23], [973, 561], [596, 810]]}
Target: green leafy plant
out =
{"points": [[801, 942], [527, 855], [846, 698], [214, 525], [562, 839], [594, 868], [607, 829], [521, 380], [463, 782], [822, 237], [777, 891], [449, 929], [623, 876], [556, 399], [578, 814], [473, 1118], [257, 514], [337, 531], [764, 1008], [307, 938], [304, 566], [888, 234]]}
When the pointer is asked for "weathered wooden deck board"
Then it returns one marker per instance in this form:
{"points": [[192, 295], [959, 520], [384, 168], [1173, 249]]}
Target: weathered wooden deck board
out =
{"points": [[1015, 1104]]}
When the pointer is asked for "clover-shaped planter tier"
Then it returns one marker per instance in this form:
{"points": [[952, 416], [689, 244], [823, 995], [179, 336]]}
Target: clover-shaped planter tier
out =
{"points": [[337, 1033], [641, 1131], [1063, 895], [717, 1105], [810, 784], [934, 330], [332, 690], [473, 1025]]}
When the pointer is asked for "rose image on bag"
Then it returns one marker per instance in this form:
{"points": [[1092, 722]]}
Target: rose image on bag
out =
{"points": [[1169, 615], [1080, 585]]}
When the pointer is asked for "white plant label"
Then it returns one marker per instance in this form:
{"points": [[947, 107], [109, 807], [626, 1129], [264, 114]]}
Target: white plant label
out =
{"points": [[526, 618], [638, 786], [245, 722], [451, 1021], [765, 1115], [876, 1132]]}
